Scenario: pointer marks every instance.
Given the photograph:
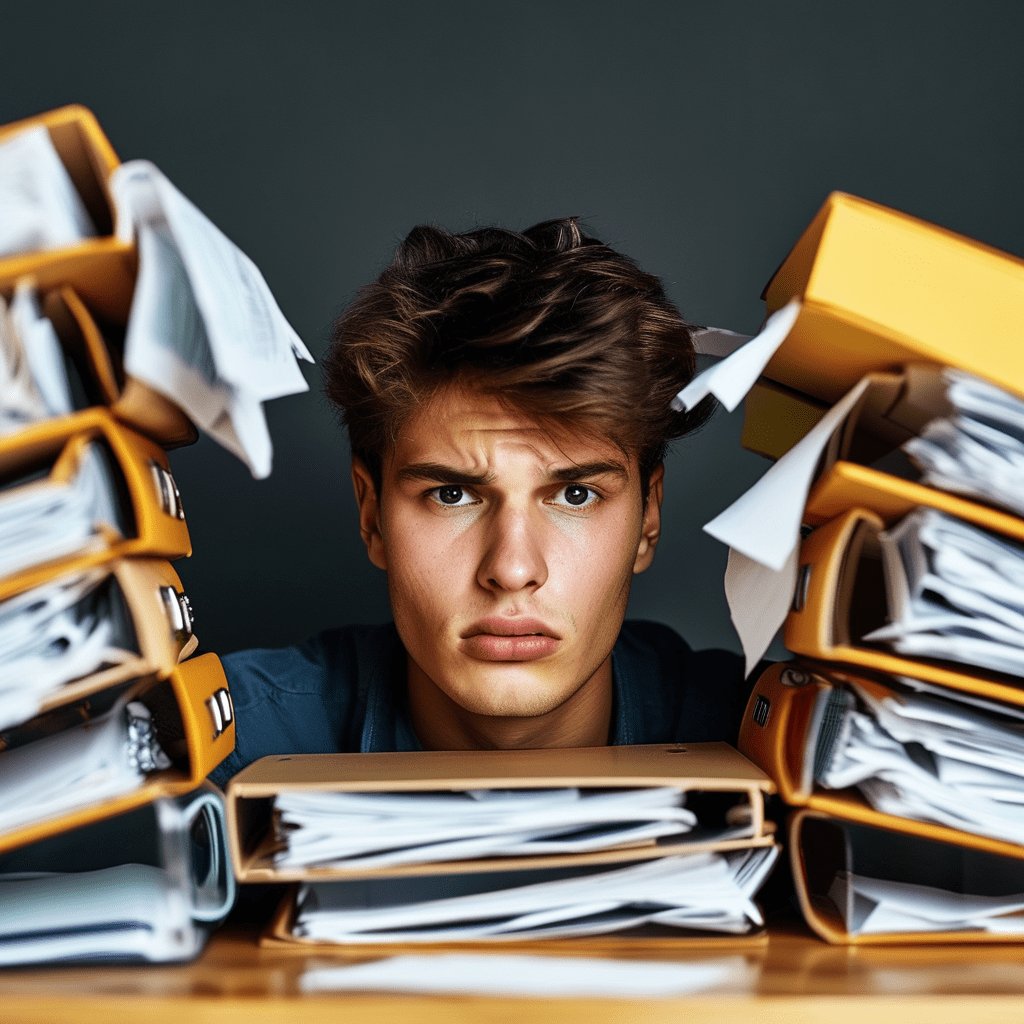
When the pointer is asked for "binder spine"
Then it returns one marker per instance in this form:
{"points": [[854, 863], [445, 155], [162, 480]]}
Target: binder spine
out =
{"points": [[207, 713]]}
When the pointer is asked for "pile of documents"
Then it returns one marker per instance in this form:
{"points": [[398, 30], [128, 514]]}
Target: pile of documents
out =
{"points": [[703, 891], [126, 320], [436, 848], [888, 541]]}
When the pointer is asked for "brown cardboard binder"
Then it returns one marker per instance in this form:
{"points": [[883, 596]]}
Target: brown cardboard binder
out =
{"points": [[880, 289], [97, 358], [159, 618], [194, 721], [151, 502], [694, 768], [101, 269], [841, 597]]}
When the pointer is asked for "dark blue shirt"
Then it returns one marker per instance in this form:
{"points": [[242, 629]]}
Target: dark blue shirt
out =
{"points": [[345, 690]]}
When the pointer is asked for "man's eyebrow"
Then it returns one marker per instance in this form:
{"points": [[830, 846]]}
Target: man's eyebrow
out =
{"points": [[578, 471], [436, 471]]}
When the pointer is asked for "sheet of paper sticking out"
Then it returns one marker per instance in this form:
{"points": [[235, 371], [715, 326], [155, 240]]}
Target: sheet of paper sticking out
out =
{"points": [[532, 976], [763, 525], [730, 380], [204, 328]]}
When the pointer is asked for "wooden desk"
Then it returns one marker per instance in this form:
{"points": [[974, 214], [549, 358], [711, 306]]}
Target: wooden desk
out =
{"points": [[795, 978]]}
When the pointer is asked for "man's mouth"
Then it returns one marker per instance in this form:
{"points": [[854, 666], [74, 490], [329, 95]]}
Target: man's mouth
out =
{"points": [[504, 639], [510, 627]]}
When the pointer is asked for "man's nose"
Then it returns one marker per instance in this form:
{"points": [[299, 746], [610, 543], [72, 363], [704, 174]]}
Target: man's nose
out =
{"points": [[513, 557]]}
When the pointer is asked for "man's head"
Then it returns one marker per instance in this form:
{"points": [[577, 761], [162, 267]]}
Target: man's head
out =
{"points": [[507, 398]]}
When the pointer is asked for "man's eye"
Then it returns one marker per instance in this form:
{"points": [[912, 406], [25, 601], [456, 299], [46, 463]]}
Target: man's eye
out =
{"points": [[451, 494], [576, 496]]}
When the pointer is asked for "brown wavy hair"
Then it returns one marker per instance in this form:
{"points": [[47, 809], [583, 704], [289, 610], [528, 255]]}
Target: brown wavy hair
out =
{"points": [[550, 321]]}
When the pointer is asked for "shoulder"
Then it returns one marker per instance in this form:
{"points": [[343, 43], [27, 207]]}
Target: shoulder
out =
{"points": [[308, 698], [330, 661], [687, 695]]}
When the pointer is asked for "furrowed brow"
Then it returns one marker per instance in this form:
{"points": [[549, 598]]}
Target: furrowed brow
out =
{"points": [[567, 474], [435, 472]]}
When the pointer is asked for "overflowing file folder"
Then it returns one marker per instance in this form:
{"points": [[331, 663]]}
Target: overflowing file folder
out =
{"points": [[486, 846], [146, 885]]}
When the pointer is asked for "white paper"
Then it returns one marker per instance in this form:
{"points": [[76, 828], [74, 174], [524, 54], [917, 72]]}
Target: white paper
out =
{"points": [[204, 328], [954, 592], [972, 777], [979, 450], [763, 526], [383, 829], [43, 519], [730, 380], [39, 205], [80, 766], [882, 906], [704, 890], [41, 348], [51, 635], [539, 976]]}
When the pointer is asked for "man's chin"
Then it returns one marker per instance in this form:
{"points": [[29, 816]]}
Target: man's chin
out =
{"points": [[507, 698]]}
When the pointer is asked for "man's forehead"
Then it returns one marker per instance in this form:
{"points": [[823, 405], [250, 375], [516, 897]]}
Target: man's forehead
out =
{"points": [[469, 427]]}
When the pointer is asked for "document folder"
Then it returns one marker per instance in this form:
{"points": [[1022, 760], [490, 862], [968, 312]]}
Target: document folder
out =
{"points": [[151, 508], [883, 289], [894, 407], [821, 846], [102, 269], [98, 360], [192, 718], [152, 626], [714, 771], [841, 597], [146, 885], [779, 732], [719, 784]]}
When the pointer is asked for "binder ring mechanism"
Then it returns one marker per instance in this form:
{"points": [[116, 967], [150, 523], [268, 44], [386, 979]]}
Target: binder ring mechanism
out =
{"points": [[221, 710]]}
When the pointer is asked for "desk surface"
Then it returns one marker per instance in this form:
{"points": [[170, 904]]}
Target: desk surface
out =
{"points": [[793, 978]]}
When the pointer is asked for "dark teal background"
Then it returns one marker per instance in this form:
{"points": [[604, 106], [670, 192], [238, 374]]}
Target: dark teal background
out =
{"points": [[698, 137]]}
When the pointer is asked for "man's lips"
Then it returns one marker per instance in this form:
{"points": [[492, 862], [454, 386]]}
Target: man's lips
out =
{"points": [[509, 640], [510, 627]]}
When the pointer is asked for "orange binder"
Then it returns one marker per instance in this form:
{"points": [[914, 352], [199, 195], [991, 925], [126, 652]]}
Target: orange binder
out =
{"points": [[821, 845], [101, 269], [194, 721], [881, 289], [159, 619], [98, 360], [696, 767], [151, 501], [778, 733], [840, 597]]}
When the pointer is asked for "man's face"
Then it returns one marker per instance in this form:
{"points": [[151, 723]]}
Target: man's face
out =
{"points": [[509, 552]]}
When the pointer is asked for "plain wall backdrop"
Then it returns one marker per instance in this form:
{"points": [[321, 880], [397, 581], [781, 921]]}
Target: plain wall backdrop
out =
{"points": [[700, 138]]}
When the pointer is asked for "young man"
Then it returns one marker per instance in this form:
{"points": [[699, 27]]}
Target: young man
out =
{"points": [[507, 399]]}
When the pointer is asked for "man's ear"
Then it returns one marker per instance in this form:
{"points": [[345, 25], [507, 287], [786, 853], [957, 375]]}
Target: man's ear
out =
{"points": [[650, 531], [369, 512]]}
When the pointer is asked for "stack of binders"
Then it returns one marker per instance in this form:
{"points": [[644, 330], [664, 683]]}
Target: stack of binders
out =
{"points": [[550, 850], [894, 403], [103, 713]]}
